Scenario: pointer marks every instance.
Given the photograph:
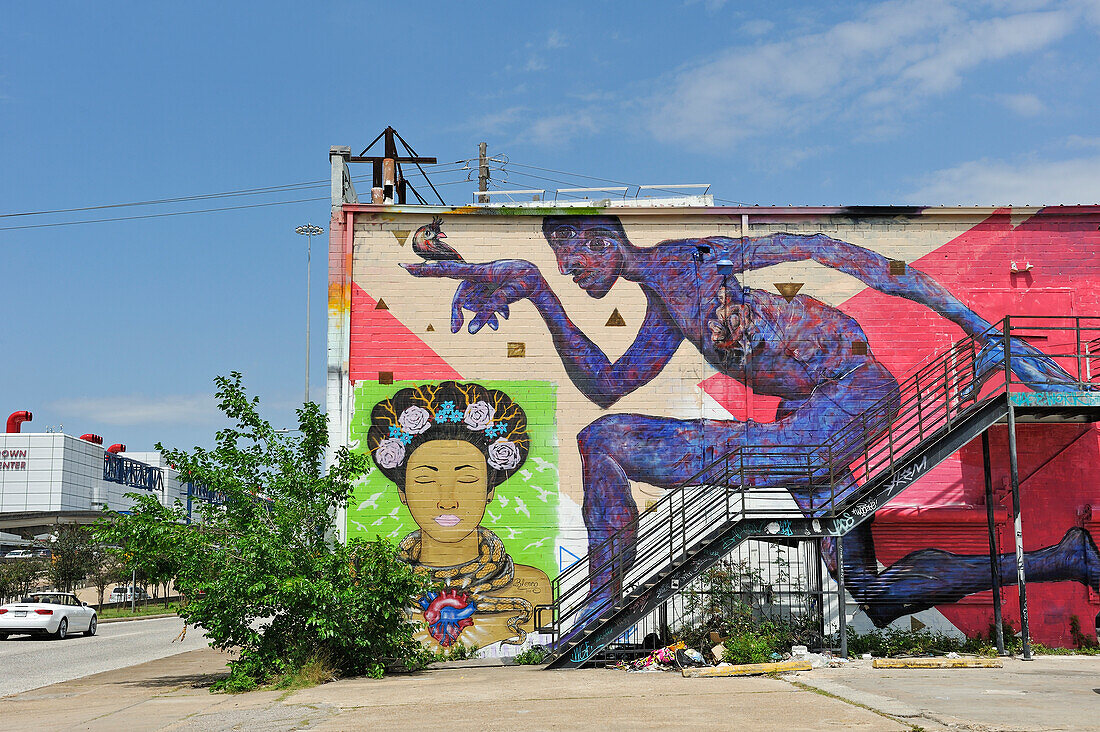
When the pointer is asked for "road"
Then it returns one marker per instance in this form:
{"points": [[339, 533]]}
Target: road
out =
{"points": [[27, 662]]}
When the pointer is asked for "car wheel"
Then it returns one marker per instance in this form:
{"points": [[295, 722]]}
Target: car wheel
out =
{"points": [[3, 636], [92, 626], [62, 629]]}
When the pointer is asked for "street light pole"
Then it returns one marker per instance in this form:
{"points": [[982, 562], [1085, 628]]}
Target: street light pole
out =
{"points": [[310, 231]]}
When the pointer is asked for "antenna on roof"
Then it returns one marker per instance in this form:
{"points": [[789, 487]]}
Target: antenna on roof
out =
{"points": [[390, 185]]}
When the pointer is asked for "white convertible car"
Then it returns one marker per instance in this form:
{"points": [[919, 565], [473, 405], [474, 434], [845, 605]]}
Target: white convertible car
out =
{"points": [[58, 614]]}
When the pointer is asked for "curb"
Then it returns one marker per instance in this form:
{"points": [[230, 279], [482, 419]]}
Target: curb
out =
{"points": [[104, 621], [746, 669], [937, 663]]}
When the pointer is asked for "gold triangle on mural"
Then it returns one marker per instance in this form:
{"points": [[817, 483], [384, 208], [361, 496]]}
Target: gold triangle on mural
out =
{"points": [[915, 624], [615, 320], [401, 235], [381, 305], [430, 328], [788, 289]]}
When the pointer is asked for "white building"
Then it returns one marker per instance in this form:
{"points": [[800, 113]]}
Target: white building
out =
{"points": [[55, 472]]}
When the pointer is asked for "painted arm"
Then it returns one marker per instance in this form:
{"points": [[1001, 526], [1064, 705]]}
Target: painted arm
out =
{"points": [[1037, 370], [863, 264], [489, 289]]}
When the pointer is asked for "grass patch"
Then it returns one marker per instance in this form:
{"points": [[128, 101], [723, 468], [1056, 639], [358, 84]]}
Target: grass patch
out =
{"points": [[118, 612], [316, 671]]}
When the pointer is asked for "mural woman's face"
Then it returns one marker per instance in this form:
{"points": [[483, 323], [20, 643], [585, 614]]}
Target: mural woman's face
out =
{"points": [[446, 489]]}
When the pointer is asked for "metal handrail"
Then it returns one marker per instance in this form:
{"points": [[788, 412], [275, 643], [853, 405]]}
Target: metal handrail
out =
{"points": [[756, 480]]}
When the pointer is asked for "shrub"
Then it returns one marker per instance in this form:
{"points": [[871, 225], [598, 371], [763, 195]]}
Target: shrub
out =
{"points": [[262, 573], [749, 647], [533, 656]]}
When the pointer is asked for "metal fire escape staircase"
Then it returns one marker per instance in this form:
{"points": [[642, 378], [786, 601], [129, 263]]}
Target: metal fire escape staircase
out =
{"points": [[748, 493]]}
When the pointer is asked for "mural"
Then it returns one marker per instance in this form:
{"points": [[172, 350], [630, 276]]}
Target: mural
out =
{"points": [[444, 454], [709, 360]]}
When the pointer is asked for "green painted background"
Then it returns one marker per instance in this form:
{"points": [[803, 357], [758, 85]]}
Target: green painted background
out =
{"points": [[524, 512]]}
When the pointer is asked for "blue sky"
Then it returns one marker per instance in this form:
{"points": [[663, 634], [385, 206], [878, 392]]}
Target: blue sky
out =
{"points": [[118, 328]]}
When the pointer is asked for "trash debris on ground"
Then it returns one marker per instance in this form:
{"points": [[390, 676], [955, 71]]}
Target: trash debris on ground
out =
{"points": [[678, 657]]}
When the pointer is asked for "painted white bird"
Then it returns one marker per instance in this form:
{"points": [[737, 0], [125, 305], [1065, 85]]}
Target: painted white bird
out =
{"points": [[539, 543], [542, 465], [525, 474], [377, 521], [512, 533], [358, 525], [371, 502], [543, 493], [521, 507], [503, 500], [393, 534], [494, 518]]}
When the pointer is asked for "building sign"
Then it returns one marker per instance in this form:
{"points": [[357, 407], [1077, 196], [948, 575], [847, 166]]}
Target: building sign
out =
{"points": [[13, 459], [132, 473]]}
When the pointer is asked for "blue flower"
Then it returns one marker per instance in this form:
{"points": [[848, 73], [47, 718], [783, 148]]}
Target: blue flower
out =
{"points": [[448, 413], [497, 429], [400, 434]]}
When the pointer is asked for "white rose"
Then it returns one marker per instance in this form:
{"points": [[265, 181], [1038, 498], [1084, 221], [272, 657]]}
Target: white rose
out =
{"points": [[479, 415], [390, 453], [503, 454], [415, 420]]}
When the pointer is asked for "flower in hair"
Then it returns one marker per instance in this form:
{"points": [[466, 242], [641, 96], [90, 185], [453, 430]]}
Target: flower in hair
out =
{"points": [[390, 453], [415, 420], [448, 413], [400, 435], [479, 416], [503, 455], [497, 429]]}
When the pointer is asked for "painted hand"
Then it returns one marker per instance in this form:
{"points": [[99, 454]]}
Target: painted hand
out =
{"points": [[484, 289], [1032, 366]]}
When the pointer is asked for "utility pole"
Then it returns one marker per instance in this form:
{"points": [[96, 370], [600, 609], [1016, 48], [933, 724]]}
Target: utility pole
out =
{"points": [[482, 171]]}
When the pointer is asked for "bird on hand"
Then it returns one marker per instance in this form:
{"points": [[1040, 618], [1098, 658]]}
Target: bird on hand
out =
{"points": [[427, 243]]}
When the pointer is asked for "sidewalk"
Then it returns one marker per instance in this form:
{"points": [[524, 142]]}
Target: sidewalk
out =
{"points": [[1047, 693], [170, 694]]}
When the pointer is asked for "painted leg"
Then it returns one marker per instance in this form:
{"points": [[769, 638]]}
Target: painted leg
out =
{"points": [[930, 577]]}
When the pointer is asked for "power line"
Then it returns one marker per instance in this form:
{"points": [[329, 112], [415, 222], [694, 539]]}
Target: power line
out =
{"points": [[305, 185], [185, 213], [159, 215]]}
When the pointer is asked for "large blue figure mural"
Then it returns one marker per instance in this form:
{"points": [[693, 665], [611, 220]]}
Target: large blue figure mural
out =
{"points": [[798, 350]]}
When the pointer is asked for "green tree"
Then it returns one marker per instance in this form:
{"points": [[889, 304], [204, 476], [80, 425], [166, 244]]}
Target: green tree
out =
{"points": [[261, 572], [105, 569], [19, 577], [71, 550]]}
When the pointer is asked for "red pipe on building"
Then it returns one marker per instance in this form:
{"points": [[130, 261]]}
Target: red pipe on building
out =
{"points": [[16, 419], [117, 448], [94, 439]]}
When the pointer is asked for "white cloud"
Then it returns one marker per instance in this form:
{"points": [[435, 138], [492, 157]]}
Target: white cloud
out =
{"points": [[868, 70], [996, 182], [1025, 105], [181, 409], [554, 39], [559, 129], [711, 6]]}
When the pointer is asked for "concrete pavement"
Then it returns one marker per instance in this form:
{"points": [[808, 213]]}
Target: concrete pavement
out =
{"points": [[27, 662], [172, 694], [1047, 693]]}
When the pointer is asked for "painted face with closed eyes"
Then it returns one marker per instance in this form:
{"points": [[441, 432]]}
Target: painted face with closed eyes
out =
{"points": [[446, 489]]}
